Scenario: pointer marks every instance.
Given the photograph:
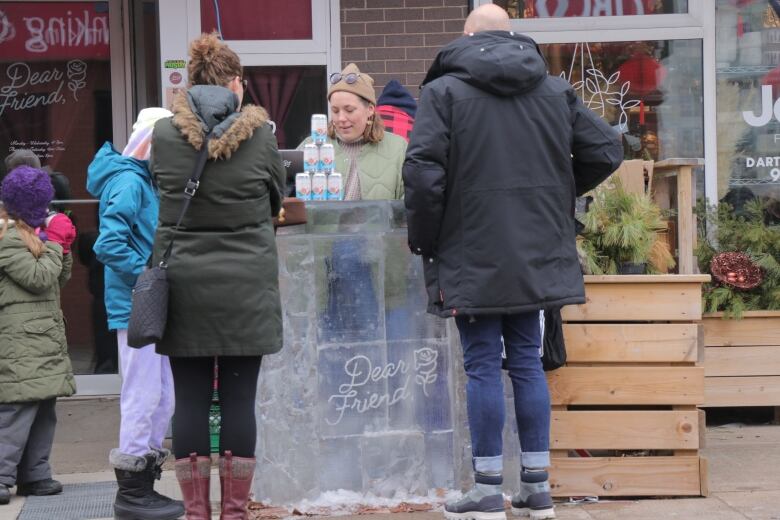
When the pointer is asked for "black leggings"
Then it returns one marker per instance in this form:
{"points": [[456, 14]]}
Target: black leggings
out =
{"points": [[192, 381]]}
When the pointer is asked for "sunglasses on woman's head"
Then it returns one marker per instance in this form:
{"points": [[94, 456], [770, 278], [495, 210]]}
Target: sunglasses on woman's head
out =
{"points": [[349, 79]]}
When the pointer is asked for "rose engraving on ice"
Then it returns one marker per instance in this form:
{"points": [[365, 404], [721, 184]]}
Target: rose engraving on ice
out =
{"points": [[425, 361]]}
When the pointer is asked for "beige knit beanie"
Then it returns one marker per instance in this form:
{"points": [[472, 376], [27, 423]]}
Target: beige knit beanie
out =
{"points": [[363, 87]]}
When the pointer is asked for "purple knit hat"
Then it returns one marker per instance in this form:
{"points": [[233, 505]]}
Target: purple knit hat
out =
{"points": [[26, 193]]}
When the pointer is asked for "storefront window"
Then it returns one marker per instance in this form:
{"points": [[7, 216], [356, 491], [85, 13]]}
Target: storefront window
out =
{"points": [[650, 91], [578, 8], [55, 99], [748, 97], [253, 20]]}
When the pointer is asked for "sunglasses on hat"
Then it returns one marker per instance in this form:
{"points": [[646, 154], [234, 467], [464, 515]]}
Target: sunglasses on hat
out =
{"points": [[349, 79]]}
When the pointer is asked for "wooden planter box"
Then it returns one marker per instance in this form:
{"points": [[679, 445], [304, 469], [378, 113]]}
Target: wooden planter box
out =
{"points": [[742, 360], [625, 420]]}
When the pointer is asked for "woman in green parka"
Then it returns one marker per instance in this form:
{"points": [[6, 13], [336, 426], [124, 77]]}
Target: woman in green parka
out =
{"points": [[34, 365], [224, 288]]}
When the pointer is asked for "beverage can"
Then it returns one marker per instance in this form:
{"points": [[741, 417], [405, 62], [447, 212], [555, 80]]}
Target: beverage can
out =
{"points": [[327, 157], [335, 186], [319, 186], [311, 157], [303, 186], [319, 128]]}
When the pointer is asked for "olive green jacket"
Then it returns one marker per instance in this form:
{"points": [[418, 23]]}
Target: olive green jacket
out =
{"points": [[223, 273], [34, 362], [379, 167]]}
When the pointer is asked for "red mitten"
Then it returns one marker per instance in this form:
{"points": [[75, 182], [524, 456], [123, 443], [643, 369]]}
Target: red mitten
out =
{"points": [[60, 229]]}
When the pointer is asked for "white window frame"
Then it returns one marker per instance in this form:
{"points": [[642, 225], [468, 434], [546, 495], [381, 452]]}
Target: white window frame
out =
{"points": [[245, 47], [683, 22], [697, 24], [324, 48]]}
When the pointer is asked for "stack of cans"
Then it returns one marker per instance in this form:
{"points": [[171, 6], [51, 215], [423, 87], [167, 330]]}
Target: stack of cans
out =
{"points": [[319, 181]]}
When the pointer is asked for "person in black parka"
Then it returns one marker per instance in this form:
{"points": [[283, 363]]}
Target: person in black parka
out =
{"points": [[499, 151]]}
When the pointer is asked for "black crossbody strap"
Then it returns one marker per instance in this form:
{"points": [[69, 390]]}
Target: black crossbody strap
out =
{"points": [[189, 191]]}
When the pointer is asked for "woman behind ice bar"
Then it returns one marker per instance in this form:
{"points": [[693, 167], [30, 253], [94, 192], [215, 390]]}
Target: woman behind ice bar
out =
{"points": [[369, 158], [224, 286]]}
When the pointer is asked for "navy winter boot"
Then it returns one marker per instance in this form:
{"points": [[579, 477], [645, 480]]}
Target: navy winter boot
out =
{"points": [[485, 501], [534, 498]]}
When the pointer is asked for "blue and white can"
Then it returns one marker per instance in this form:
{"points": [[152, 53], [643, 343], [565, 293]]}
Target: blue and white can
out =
{"points": [[327, 158], [311, 157], [303, 186], [319, 186], [319, 128], [335, 186]]}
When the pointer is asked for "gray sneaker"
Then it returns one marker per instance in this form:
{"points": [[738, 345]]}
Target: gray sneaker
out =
{"points": [[490, 507], [534, 498]]}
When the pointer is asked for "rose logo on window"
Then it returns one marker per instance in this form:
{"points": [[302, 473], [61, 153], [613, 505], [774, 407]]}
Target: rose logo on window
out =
{"points": [[77, 75], [7, 31]]}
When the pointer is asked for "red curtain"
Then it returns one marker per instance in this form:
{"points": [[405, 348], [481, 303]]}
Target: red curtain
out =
{"points": [[273, 88], [259, 19]]}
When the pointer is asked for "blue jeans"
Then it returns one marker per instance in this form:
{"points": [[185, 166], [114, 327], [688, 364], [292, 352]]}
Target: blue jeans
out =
{"points": [[480, 337]]}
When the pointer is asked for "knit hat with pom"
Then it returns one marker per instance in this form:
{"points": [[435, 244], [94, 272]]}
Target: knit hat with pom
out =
{"points": [[26, 193]]}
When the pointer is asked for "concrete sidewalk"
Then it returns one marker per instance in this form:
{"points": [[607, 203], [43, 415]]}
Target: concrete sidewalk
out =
{"points": [[744, 480]]}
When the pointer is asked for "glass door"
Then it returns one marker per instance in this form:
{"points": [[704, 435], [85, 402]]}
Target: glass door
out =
{"points": [[63, 93]]}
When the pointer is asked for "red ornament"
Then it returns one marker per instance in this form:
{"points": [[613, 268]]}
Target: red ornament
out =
{"points": [[643, 72]]}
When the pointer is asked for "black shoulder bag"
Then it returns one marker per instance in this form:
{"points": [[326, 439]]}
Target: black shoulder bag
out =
{"points": [[149, 312], [553, 346]]}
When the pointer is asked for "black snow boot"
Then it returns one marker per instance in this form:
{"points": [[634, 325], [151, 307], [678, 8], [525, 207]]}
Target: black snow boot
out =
{"points": [[154, 463], [136, 498]]}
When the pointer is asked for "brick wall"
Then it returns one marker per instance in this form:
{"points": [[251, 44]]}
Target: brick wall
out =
{"points": [[398, 39]]}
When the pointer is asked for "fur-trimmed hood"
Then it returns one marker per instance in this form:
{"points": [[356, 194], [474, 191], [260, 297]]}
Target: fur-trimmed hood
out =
{"points": [[230, 128]]}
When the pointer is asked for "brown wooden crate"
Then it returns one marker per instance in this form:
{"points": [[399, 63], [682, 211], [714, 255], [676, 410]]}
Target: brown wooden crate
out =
{"points": [[639, 298], [742, 391], [625, 430], [626, 476], [755, 328], [742, 361], [632, 176], [627, 385], [640, 343]]}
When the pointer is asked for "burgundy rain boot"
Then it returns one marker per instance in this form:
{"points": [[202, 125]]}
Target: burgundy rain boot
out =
{"points": [[193, 474], [235, 478]]}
